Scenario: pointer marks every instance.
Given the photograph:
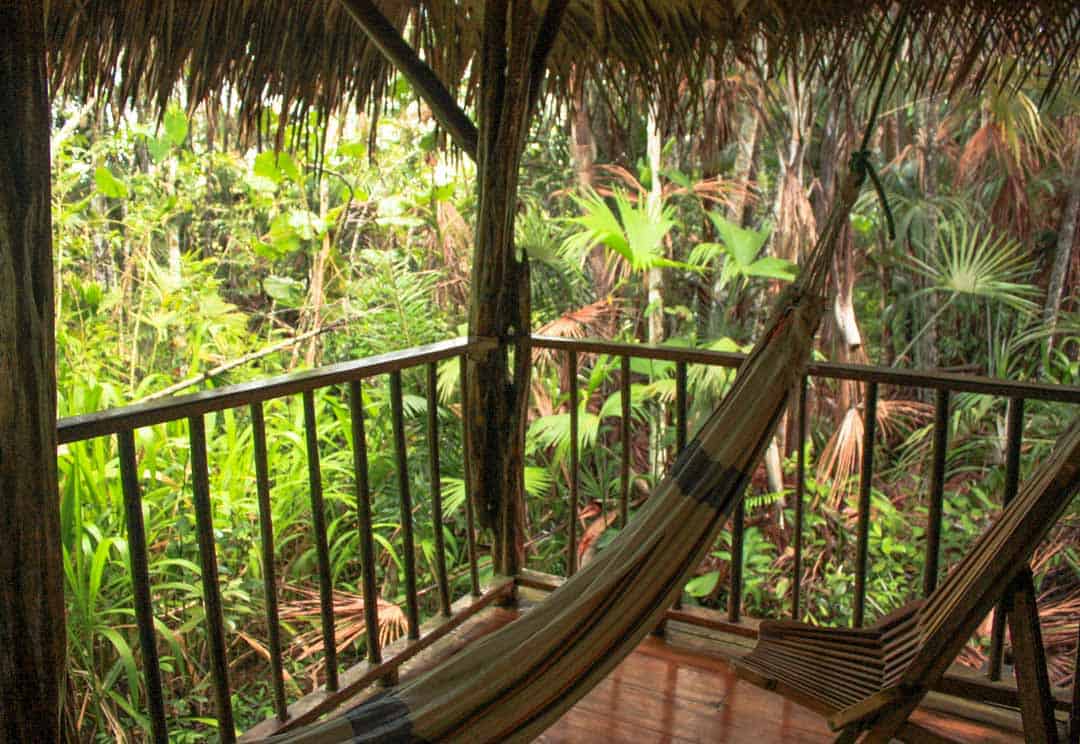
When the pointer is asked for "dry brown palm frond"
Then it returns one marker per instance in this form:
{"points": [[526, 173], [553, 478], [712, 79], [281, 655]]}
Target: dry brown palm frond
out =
{"points": [[894, 414], [350, 622], [588, 320], [721, 191], [841, 455]]}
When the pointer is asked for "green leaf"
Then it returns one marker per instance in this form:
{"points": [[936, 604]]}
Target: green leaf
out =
{"points": [[176, 126], [742, 244], [702, 585], [108, 184], [284, 290], [276, 167]]}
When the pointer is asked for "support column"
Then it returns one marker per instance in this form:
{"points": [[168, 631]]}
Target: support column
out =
{"points": [[32, 635], [515, 44]]}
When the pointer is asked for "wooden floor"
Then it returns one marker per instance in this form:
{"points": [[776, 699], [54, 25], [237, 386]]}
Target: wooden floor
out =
{"points": [[663, 694], [678, 689]]}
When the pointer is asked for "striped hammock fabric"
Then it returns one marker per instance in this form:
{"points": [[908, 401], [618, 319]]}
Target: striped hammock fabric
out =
{"points": [[514, 683]]}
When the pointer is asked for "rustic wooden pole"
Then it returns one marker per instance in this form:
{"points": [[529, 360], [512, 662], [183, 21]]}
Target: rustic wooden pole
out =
{"points": [[32, 634], [514, 48], [425, 82]]}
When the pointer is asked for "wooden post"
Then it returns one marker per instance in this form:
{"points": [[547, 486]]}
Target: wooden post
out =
{"points": [[32, 633], [514, 48], [515, 42]]}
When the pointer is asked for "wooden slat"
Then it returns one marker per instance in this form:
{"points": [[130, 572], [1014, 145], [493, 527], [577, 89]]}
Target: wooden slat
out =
{"points": [[114, 420], [624, 464], [322, 549], [215, 623], [738, 530], [571, 530], [140, 586], [466, 450], [412, 605], [1036, 702], [266, 543], [1074, 711], [937, 491], [436, 489], [363, 520], [681, 425], [1014, 435], [800, 495], [866, 478]]}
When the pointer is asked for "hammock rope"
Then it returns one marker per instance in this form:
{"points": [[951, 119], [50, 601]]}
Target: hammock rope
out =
{"points": [[514, 683]]}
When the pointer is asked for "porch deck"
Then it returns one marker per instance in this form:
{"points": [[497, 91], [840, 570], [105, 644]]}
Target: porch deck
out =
{"points": [[681, 688]]}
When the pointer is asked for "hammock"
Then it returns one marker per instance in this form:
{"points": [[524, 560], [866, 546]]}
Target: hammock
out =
{"points": [[514, 683]]}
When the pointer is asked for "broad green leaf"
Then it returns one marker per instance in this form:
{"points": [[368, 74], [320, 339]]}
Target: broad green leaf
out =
{"points": [[176, 126], [701, 586], [108, 184], [286, 291]]}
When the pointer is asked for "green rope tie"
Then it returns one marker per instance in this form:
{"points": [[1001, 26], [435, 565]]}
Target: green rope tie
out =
{"points": [[862, 166]]}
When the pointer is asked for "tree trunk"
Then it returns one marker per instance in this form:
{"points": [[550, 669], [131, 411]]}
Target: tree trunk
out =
{"points": [[513, 60], [583, 149], [655, 277], [927, 355], [32, 635], [1063, 251]]}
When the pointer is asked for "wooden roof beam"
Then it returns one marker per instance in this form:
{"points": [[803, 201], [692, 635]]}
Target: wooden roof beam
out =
{"points": [[419, 74]]}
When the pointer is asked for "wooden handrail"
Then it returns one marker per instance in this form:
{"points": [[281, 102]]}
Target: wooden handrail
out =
{"points": [[112, 421], [835, 370]]}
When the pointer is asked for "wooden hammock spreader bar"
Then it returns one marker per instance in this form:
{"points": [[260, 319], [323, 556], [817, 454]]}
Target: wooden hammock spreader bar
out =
{"points": [[871, 679]]}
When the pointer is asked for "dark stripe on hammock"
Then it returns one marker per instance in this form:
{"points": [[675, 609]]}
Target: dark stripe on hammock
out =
{"points": [[693, 467], [384, 719]]}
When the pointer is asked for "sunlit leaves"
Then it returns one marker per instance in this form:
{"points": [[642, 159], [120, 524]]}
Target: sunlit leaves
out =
{"points": [[980, 263], [108, 184]]}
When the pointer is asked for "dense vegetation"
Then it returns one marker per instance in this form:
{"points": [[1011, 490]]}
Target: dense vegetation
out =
{"points": [[187, 259]]}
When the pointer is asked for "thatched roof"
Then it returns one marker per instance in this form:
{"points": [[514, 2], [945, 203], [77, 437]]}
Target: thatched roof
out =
{"points": [[310, 54]]}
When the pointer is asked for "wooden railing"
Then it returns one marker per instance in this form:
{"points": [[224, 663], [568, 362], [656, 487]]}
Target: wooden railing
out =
{"points": [[944, 386], [381, 663]]}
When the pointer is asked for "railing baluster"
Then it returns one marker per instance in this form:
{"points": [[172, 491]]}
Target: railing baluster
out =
{"points": [[322, 549], [1014, 435], [266, 541], [140, 583], [937, 491], [1074, 712], [571, 540], [738, 520], [436, 488], [800, 495], [624, 466], [865, 481], [412, 606], [363, 519], [215, 623], [680, 428], [470, 518], [680, 406]]}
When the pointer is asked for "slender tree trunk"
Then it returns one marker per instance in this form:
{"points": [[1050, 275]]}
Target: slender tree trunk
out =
{"points": [[584, 143], [927, 355], [655, 277], [1063, 251], [744, 161], [32, 634]]}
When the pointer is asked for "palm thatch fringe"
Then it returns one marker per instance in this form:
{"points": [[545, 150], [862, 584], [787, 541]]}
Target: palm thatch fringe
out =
{"points": [[299, 57]]}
